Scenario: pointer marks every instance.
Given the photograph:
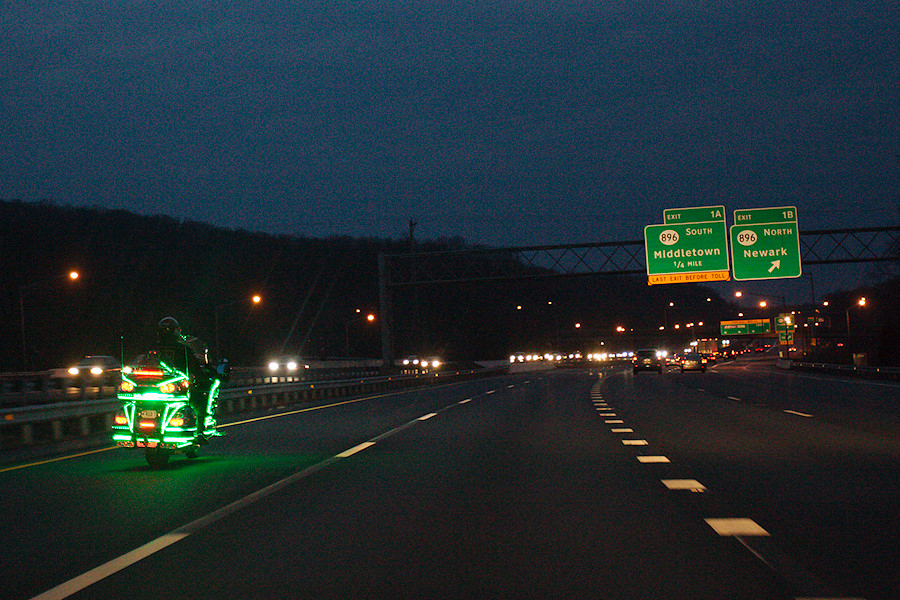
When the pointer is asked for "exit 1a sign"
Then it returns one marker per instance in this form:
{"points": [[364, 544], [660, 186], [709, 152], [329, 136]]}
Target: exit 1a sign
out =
{"points": [[691, 246], [765, 243]]}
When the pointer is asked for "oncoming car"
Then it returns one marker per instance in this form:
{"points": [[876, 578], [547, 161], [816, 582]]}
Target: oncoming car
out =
{"points": [[96, 370], [648, 360], [422, 364], [287, 365]]}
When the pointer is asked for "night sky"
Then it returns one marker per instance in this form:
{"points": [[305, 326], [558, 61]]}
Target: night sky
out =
{"points": [[505, 123]]}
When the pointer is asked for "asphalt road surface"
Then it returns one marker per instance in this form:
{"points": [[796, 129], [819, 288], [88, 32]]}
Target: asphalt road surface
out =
{"points": [[743, 482]]}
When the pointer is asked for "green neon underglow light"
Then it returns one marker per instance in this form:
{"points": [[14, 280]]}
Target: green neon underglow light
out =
{"points": [[213, 394], [174, 370], [168, 413], [129, 410]]}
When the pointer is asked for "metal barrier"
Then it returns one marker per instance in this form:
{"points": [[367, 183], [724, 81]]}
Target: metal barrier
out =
{"points": [[53, 422], [857, 370]]}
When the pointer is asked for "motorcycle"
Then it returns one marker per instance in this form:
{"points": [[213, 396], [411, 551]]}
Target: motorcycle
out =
{"points": [[157, 414]]}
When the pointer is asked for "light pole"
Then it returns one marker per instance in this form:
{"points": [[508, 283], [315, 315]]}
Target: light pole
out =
{"points": [[255, 299], [666, 314], [369, 317], [763, 304], [861, 302], [72, 276]]}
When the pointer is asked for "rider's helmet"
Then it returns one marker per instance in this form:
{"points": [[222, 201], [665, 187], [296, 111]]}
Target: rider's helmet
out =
{"points": [[169, 331]]}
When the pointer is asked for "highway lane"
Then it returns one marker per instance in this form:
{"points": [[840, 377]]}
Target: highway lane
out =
{"points": [[63, 518], [813, 459], [525, 485]]}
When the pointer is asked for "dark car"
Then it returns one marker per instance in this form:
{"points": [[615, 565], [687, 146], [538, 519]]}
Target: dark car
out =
{"points": [[648, 360], [693, 361]]}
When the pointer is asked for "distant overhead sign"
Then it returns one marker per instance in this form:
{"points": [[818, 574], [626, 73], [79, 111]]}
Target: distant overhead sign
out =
{"points": [[745, 327], [765, 243], [690, 246]]}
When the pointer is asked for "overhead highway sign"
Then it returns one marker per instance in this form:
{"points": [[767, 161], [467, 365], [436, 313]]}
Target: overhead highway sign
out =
{"points": [[765, 243], [745, 327], [691, 246]]}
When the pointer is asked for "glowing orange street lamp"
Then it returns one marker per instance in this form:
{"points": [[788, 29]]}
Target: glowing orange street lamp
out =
{"points": [[255, 299], [73, 275], [369, 318]]}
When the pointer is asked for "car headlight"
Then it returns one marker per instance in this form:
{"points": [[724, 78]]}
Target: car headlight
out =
{"points": [[273, 366], [73, 371]]}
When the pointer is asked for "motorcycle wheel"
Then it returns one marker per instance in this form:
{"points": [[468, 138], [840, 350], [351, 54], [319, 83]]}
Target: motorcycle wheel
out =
{"points": [[157, 457], [191, 451]]}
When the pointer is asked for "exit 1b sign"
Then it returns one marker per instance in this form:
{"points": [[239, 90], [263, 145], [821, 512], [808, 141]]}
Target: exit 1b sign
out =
{"points": [[765, 243]]}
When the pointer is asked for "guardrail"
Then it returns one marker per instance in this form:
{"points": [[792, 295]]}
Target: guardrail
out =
{"points": [[43, 387], [53, 422], [855, 370]]}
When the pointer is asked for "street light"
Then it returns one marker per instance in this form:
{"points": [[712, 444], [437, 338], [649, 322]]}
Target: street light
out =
{"points": [[72, 275], [861, 302], [369, 317], [255, 299], [764, 304]]}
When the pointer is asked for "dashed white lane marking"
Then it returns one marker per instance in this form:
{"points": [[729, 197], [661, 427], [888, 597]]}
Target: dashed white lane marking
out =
{"points": [[653, 459], [635, 442], [490, 392], [614, 421], [684, 484], [735, 399], [355, 449], [736, 527], [610, 414], [799, 414], [76, 584], [622, 430], [509, 387]]}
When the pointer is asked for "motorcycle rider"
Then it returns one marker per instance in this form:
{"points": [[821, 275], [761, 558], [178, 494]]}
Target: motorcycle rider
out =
{"points": [[190, 356]]}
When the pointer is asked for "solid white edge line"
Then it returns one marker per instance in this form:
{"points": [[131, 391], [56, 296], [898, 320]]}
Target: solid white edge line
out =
{"points": [[75, 585]]}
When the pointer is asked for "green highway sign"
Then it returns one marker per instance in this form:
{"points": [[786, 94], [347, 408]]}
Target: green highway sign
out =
{"points": [[785, 322], [765, 243], [694, 214], [745, 327], [691, 246]]}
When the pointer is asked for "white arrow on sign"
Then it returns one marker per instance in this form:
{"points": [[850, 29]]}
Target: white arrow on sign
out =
{"points": [[776, 264]]}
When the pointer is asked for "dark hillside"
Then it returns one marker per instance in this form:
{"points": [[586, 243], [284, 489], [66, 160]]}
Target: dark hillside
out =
{"points": [[136, 269]]}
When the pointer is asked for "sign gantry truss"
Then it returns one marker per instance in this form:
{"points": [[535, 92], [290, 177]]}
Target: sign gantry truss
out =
{"points": [[833, 246], [829, 246]]}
